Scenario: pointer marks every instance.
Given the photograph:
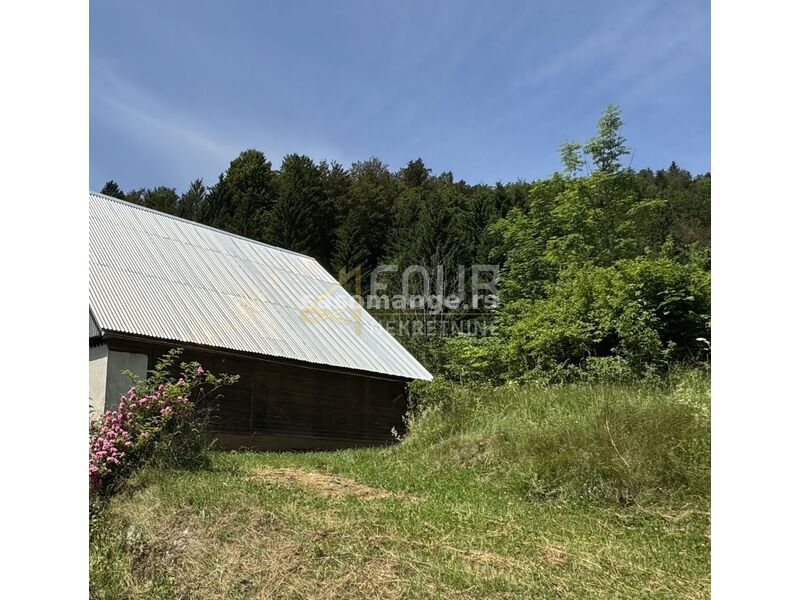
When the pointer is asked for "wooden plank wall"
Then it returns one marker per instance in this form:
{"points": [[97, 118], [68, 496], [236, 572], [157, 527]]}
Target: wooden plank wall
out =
{"points": [[287, 401]]}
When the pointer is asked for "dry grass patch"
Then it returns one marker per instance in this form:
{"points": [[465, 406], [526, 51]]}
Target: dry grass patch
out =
{"points": [[487, 563], [322, 483], [246, 553], [553, 554]]}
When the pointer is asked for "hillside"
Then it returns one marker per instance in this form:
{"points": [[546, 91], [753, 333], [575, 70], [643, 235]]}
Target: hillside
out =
{"points": [[576, 491]]}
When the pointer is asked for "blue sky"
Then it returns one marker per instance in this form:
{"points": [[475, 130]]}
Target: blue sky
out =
{"points": [[487, 90]]}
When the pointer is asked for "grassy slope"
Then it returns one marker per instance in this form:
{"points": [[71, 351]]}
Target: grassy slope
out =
{"points": [[585, 491]]}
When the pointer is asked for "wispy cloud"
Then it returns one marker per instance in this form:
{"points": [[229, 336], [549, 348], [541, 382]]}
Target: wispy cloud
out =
{"points": [[166, 131], [614, 60], [607, 39], [185, 144], [487, 91]]}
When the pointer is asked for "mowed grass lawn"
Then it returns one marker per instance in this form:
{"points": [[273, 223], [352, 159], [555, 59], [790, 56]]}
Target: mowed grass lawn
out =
{"points": [[573, 492]]}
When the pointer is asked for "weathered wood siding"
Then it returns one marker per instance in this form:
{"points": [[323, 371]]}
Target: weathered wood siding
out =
{"points": [[292, 406]]}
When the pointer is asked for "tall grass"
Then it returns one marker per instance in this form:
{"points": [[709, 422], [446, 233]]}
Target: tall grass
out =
{"points": [[617, 443], [579, 491]]}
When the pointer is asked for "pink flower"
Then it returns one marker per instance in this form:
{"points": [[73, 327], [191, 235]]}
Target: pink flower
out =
{"points": [[200, 370]]}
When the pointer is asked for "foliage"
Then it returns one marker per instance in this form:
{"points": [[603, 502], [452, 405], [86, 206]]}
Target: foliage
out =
{"points": [[595, 283], [350, 252], [160, 419], [605, 272], [608, 146], [191, 201], [111, 188], [298, 216], [644, 312], [251, 184], [466, 358]]}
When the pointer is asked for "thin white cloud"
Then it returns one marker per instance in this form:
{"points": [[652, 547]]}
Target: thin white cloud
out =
{"points": [[606, 40], [138, 113], [185, 143]]}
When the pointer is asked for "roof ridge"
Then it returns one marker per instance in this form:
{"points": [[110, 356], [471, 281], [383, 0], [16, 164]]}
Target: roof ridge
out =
{"points": [[203, 225]]}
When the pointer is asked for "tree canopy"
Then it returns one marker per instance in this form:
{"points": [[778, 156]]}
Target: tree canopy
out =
{"points": [[603, 269]]}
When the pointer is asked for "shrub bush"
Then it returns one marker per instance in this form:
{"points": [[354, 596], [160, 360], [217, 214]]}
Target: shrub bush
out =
{"points": [[160, 418], [644, 313]]}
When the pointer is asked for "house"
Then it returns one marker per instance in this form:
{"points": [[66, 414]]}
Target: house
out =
{"points": [[316, 370]]}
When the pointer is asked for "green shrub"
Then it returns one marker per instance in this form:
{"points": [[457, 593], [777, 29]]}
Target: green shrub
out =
{"points": [[160, 420], [642, 314]]}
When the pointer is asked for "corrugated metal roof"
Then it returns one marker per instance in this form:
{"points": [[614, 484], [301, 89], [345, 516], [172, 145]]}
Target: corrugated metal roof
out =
{"points": [[94, 328], [156, 275]]}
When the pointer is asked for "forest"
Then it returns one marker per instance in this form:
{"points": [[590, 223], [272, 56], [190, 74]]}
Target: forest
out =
{"points": [[605, 271]]}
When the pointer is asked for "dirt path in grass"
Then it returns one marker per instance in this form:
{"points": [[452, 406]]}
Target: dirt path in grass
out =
{"points": [[325, 484]]}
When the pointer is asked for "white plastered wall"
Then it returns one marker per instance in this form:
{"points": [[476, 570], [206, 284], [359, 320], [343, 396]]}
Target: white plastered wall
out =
{"points": [[118, 384], [98, 363]]}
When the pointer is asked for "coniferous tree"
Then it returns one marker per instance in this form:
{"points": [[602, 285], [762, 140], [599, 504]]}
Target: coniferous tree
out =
{"points": [[163, 199], [335, 187], [295, 220], [479, 215], [250, 184], [371, 199], [112, 189], [350, 254], [415, 173], [216, 206], [191, 201], [136, 196]]}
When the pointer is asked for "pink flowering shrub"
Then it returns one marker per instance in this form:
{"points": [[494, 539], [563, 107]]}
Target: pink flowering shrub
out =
{"points": [[160, 418]]}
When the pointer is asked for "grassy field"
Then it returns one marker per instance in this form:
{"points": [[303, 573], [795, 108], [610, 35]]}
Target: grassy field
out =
{"points": [[575, 492]]}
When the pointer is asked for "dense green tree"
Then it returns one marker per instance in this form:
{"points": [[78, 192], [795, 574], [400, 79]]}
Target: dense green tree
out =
{"points": [[161, 198], [350, 256], [431, 232], [371, 200], [190, 204], [644, 312], [112, 189], [335, 187], [296, 219], [592, 267], [415, 173], [216, 205], [510, 195], [608, 146], [250, 184], [136, 196]]}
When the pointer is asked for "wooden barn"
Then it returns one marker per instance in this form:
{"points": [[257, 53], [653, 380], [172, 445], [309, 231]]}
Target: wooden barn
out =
{"points": [[316, 370]]}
